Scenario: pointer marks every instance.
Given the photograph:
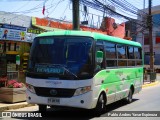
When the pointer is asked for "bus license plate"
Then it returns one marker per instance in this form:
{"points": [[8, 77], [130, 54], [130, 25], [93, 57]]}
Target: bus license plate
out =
{"points": [[54, 100]]}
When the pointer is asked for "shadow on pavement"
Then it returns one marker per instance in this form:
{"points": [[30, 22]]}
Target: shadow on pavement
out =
{"points": [[72, 113]]}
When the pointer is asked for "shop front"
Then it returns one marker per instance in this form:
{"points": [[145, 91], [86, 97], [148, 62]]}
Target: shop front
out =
{"points": [[14, 52]]}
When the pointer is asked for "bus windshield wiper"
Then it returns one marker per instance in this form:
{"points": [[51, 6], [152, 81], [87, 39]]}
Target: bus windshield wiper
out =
{"points": [[67, 70], [70, 72]]}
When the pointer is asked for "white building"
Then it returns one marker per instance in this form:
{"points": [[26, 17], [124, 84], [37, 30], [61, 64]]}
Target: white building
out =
{"points": [[143, 38]]}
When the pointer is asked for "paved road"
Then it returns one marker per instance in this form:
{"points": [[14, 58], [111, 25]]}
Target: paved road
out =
{"points": [[147, 100]]}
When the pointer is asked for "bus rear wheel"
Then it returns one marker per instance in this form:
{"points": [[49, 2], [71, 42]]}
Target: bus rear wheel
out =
{"points": [[101, 105], [42, 108], [129, 98]]}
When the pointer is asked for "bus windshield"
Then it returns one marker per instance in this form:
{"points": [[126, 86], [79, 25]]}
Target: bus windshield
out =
{"points": [[62, 57]]}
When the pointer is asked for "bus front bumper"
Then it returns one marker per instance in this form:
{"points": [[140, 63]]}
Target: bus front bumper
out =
{"points": [[79, 101]]}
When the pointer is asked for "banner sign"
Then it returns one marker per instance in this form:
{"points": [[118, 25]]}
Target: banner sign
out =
{"points": [[12, 32], [35, 31]]}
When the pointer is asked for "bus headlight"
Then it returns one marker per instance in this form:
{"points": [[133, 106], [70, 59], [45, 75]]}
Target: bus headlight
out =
{"points": [[30, 88], [82, 90]]}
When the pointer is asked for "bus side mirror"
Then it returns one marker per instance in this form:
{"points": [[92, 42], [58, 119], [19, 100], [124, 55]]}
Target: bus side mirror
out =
{"points": [[99, 56]]}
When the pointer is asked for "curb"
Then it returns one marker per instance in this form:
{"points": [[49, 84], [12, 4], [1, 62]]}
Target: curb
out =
{"points": [[15, 106], [150, 84]]}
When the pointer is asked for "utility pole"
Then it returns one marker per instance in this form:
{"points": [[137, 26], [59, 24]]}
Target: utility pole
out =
{"points": [[75, 12], [152, 73]]}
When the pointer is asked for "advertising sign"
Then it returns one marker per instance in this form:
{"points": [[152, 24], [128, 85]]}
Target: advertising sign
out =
{"points": [[12, 32]]}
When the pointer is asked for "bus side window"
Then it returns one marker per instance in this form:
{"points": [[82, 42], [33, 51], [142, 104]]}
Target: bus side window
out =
{"points": [[122, 55], [138, 56], [130, 52], [99, 47], [131, 60], [137, 53], [110, 54]]}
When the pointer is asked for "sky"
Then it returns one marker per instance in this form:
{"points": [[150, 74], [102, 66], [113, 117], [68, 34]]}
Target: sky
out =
{"points": [[59, 9]]}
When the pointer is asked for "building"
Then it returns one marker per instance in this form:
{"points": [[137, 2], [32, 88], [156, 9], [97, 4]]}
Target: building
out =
{"points": [[15, 43], [143, 38], [130, 29]]}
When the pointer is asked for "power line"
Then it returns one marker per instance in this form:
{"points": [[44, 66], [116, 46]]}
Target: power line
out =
{"points": [[56, 6], [66, 7], [23, 6]]}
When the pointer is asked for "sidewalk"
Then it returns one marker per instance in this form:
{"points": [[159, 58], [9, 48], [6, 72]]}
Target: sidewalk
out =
{"points": [[147, 84], [9, 106]]}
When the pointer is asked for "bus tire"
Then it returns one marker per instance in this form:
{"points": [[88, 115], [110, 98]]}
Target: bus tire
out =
{"points": [[42, 108], [129, 98], [101, 105]]}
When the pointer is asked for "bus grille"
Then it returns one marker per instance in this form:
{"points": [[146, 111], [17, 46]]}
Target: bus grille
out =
{"points": [[60, 92]]}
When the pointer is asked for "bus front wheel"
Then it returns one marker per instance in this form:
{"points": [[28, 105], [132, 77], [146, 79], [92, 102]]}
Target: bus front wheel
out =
{"points": [[42, 108], [101, 105]]}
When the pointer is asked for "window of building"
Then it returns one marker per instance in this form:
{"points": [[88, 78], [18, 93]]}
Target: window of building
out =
{"points": [[157, 39], [146, 39]]}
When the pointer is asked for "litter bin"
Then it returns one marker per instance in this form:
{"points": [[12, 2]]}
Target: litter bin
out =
{"points": [[152, 76]]}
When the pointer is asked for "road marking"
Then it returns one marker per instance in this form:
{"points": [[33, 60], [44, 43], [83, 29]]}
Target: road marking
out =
{"points": [[150, 84]]}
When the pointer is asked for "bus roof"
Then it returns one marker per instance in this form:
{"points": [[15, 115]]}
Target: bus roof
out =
{"points": [[96, 36]]}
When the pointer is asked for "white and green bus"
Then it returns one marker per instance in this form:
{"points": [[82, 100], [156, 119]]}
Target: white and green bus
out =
{"points": [[83, 70]]}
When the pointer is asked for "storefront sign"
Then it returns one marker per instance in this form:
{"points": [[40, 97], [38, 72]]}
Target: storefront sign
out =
{"points": [[35, 31], [12, 32]]}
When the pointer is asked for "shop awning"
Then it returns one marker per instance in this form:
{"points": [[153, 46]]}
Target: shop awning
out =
{"points": [[46, 28], [35, 24]]}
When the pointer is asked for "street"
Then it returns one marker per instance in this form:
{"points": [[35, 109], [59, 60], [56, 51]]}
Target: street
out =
{"points": [[146, 100], [72, 52]]}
